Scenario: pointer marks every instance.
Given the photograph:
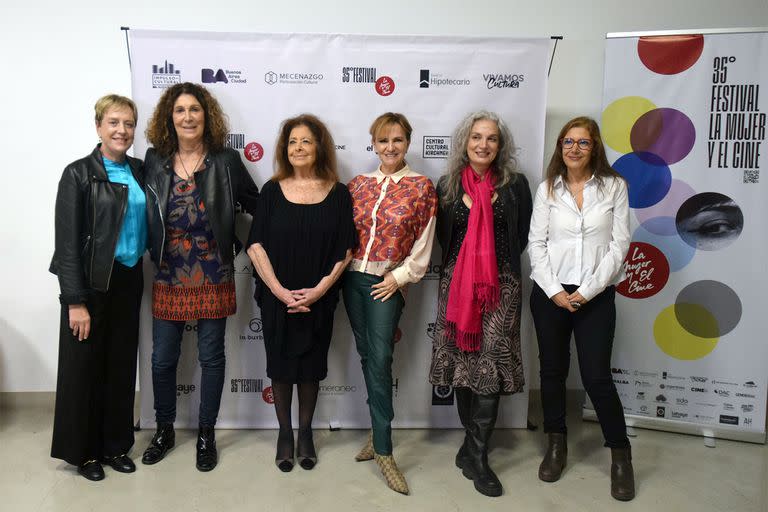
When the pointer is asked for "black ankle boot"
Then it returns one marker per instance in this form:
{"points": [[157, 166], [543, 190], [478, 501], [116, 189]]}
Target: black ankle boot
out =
{"points": [[161, 443], [554, 460], [622, 474], [484, 410], [463, 406], [207, 456]]}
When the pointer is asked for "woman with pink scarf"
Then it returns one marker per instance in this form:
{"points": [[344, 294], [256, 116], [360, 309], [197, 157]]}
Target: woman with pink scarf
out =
{"points": [[482, 226]]}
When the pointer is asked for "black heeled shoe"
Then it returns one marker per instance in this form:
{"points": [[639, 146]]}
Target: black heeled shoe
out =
{"points": [[91, 470], [284, 457], [306, 450]]}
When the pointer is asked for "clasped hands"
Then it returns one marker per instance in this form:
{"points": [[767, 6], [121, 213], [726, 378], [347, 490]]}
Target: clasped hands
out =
{"points": [[298, 301], [566, 301]]}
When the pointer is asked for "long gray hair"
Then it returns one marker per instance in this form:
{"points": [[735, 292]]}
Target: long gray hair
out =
{"points": [[505, 164]]}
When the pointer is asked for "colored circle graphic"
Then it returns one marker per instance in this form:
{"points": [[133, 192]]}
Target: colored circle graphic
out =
{"points": [[618, 119], [659, 219], [663, 132], [677, 252], [648, 177], [717, 299], [675, 341], [670, 55], [709, 221], [646, 269]]}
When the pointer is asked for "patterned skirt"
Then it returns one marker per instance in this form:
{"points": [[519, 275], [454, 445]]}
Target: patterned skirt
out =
{"points": [[498, 366]]}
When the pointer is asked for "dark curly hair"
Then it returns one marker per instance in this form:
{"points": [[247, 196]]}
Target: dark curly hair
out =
{"points": [[325, 160], [161, 132]]}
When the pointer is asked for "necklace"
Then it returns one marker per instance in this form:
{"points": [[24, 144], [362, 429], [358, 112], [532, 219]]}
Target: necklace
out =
{"points": [[190, 175]]}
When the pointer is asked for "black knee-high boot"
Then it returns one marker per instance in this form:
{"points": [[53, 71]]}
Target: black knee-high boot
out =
{"points": [[464, 406], [483, 413]]}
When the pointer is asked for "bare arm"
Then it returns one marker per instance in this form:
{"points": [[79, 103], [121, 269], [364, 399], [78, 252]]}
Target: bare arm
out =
{"points": [[307, 296], [264, 268]]}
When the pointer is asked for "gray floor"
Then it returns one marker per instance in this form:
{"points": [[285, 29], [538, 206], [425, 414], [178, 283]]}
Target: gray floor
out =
{"points": [[674, 472]]}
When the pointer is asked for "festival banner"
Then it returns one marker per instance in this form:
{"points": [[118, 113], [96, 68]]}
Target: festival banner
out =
{"points": [[683, 122], [347, 81]]}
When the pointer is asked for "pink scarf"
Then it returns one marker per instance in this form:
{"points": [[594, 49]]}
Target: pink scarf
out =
{"points": [[475, 284]]}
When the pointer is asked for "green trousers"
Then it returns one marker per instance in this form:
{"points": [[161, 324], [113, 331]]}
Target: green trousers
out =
{"points": [[374, 323]]}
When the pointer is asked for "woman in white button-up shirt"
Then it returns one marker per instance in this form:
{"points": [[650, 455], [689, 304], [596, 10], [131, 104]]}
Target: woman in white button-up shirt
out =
{"points": [[578, 239]]}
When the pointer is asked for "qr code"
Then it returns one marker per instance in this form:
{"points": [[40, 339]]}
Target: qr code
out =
{"points": [[751, 176]]}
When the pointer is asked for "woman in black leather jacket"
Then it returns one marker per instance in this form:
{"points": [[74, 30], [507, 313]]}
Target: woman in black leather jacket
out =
{"points": [[194, 186], [101, 235]]}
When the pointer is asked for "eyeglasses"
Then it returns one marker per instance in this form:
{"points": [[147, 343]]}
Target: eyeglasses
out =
{"points": [[584, 144]]}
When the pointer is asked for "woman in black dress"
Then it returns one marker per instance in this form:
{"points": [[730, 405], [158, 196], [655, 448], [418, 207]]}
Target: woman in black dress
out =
{"points": [[300, 243], [482, 226]]}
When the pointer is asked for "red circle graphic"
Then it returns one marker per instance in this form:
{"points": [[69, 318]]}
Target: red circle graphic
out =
{"points": [[385, 86], [647, 271], [253, 151], [267, 395], [669, 55]]}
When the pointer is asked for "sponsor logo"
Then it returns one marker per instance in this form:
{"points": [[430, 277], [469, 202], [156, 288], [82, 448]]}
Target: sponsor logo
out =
{"points": [[246, 385], [699, 390], [385, 86], [336, 390], [267, 395], [661, 412], [442, 395], [728, 407], [661, 399], [395, 386], [620, 381], [671, 386], [185, 389], [503, 80], [724, 382], [747, 407], [254, 332], [427, 79], [293, 78], [235, 140], [620, 370], [645, 374], [729, 420], [679, 415], [642, 384], [705, 404], [358, 75], [341, 147], [747, 421], [698, 379], [253, 151], [667, 375], [681, 401], [225, 76], [433, 272], [703, 417], [750, 384], [745, 395], [435, 146], [640, 395], [627, 409], [644, 409], [165, 75], [722, 392]]}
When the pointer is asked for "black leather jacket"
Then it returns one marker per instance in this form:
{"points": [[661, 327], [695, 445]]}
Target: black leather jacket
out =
{"points": [[224, 186], [89, 215], [517, 209]]}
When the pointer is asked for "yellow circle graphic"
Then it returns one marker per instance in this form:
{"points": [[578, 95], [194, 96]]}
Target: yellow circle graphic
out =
{"points": [[675, 341], [618, 119]]}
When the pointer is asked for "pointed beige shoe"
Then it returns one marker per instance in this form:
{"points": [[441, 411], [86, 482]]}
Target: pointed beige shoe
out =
{"points": [[393, 476], [367, 452]]}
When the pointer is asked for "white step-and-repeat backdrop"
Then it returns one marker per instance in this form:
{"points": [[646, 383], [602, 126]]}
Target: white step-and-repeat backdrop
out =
{"points": [[347, 80], [684, 121]]}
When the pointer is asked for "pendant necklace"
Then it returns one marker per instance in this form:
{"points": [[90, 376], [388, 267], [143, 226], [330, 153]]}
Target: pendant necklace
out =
{"points": [[190, 175]]}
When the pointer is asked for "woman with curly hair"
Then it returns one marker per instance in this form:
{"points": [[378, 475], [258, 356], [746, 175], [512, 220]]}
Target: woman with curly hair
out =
{"points": [[482, 226], [194, 187]]}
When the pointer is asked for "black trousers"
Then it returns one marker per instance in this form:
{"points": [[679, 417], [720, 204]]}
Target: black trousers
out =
{"points": [[592, 327], [96, 381]]}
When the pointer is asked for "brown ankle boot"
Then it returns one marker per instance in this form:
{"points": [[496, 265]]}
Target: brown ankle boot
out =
{"points": [[554, 460], [622, 474], [367, 452], [392, 474]]}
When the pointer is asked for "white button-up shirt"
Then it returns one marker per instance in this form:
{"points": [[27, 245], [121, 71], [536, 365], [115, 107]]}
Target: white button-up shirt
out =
{"points": [[583, 247]]}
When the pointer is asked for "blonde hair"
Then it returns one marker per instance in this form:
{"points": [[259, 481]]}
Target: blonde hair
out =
{"points": [[105, 103]]}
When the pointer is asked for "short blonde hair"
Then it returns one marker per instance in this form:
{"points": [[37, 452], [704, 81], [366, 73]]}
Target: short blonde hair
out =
{"points": [[390, 118], [109, 101]]}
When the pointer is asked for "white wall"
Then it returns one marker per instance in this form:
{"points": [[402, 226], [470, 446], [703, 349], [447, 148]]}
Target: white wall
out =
{"points": [[58, 57]]}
